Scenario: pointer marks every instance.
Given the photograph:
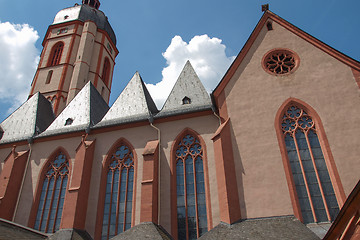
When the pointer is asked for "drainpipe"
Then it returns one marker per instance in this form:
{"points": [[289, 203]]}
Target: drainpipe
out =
{"points": [[30, 141], [213, 109], [151, 120]]}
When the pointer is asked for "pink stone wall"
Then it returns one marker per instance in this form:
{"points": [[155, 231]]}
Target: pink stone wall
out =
{"points": [[253, 100]]}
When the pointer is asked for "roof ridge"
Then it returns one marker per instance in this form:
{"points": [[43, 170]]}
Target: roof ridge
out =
{"points": [[187, 95], [39, 115], [133, 104], [86, 109]]}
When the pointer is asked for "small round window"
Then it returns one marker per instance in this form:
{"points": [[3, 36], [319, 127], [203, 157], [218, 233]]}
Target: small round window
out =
{"points": [[280, 61]]}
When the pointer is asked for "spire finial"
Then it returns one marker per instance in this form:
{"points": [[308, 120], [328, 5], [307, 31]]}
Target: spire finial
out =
{"points": [[92, 3], [265, 7]]}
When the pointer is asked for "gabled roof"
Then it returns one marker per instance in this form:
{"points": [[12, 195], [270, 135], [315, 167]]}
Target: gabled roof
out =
{"points": [[70, 234], [287, 227], [84, 111], [146, 230], [187, 95], [297, 31], [11, 230], [133, 104], [30, 119]]}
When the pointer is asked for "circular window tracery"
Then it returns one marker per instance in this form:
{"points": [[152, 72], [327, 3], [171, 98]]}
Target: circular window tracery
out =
{"points": [[280, 61]]}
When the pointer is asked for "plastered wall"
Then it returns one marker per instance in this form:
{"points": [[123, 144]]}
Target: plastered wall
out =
{"points": [[205, 126], [323, 82]]}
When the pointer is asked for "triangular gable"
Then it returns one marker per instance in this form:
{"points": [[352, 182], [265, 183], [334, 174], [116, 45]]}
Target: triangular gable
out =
{"points": [[85, 110], [30, 119], [187, 95], [133, 104], [295, 30]]}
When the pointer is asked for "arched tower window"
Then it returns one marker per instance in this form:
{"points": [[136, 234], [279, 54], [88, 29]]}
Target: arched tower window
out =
{"points": [[54, 185], [191, 206], [106, 71], [55, 54], [314, 191], [119, 192]]}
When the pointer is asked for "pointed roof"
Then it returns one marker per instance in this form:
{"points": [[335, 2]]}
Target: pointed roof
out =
{"points": [[187, 95], [146, 230], [30, 119], [133, 104], [297, 31], [286, 227], [84, 111], [70, 234], [11, 230]]}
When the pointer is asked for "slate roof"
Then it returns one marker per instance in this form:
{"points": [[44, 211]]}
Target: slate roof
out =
{"points": [[70, 234], [84, 111], [274, 228], [187, 85], [88, 109], [86, 13], [10, 230], [30, 119], [133, 104], [146, 230]]}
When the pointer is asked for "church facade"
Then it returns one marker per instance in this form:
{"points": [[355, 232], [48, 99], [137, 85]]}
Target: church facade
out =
{"points": [[276, 143]]}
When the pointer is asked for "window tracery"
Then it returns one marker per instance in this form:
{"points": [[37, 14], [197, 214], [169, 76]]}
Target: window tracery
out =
{"points": [[52, 196], [56, 53], [119, 193], [190, 189], [314, 189], [280, 61]]}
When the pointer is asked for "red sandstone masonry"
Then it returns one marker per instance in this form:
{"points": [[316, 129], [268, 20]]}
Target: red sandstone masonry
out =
{"points": [[76, 199], [150, 183], [10, 181]]}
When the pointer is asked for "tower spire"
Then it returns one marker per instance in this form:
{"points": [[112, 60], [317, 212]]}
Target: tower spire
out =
{"points": [[92, 3]]}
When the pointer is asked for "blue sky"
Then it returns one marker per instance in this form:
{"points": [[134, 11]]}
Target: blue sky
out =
{"points": [[146, 36]]}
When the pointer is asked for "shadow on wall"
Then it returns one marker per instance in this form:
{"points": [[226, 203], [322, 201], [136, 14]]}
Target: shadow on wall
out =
{"points": [[165, 189], [240, 171], [27, 196]]}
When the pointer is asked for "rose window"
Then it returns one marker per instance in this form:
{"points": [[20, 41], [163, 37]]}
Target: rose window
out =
{"points": [[280, 61]]}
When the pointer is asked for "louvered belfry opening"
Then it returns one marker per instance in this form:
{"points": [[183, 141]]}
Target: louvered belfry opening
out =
{"points": [[92, 3]]}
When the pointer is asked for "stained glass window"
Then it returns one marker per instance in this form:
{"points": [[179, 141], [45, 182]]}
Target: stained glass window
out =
{"points": [[56, 53], [311, 178], [52, 196], [190, 189], [119, 193]]}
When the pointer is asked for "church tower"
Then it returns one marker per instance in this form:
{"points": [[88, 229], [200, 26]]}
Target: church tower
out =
{"points": [[79, 46]]}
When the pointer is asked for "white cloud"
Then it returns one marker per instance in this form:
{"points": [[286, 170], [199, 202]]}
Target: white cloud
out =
{"points": [[207, 56], [18, 61]]}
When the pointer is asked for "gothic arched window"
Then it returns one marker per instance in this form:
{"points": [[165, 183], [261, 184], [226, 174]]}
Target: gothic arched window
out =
{"points": [[55, 54], [314, 191], [191, 206], [119, 192], [54, 185], [106, 71]]}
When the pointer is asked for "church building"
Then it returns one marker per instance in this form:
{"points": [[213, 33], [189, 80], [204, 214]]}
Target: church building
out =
{"points": [[272, 153]]}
